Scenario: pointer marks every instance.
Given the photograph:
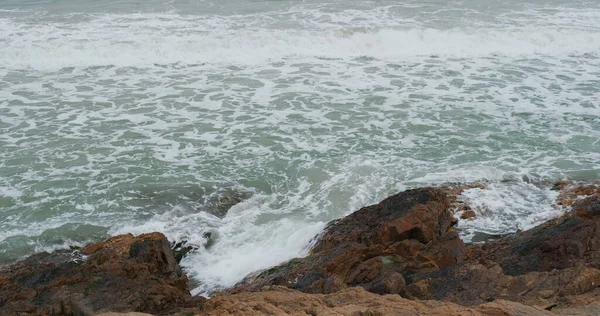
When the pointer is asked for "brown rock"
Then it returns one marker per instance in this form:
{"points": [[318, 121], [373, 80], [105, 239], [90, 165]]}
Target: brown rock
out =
{"points": [[571, 192], [352, 301], [556, 264], [420, 214], [379, 248], [122, 274], [453, 193], [124, 314], [468, 214], [404, 245]]}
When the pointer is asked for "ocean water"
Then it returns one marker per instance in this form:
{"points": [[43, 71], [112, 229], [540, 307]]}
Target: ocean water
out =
{"points": [[136, 116]]}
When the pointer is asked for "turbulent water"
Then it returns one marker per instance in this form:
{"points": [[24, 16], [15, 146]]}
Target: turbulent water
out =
{"points": [[138, 116]]}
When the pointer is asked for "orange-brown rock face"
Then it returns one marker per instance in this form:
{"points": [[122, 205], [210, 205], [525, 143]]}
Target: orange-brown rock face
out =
{"points": [[123, 273], [379, 248], [570, 192], [350, 302]]}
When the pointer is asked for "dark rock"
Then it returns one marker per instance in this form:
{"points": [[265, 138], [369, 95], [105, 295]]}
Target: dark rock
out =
{"points": [[558, 244], [377, 247], [181, 249], [404, 245], [548, 265]]}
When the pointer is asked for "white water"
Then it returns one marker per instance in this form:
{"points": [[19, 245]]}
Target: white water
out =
{"points": [[507, 208], [117, 120]]}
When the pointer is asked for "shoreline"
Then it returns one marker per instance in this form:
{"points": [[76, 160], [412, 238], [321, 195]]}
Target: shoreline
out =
{"points": [[405, 248]]}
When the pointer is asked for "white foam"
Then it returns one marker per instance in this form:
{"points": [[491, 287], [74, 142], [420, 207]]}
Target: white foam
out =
{"points": [[170, 39], [503, 208], [243, 241], [316, 110], [10, 193], [242, 249]]}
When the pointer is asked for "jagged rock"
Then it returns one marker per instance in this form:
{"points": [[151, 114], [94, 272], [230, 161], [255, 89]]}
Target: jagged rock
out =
{"points": [[378, 247], [406, 245], [557, 244], [122, 274], [457, 205], [124, 314], [227, 197], [181, 249], [543, 266]]}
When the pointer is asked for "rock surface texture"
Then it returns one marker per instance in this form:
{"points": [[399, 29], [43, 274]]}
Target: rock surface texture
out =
{"points": [[399, 257], [279, 300], [124, 273], [380, 248]]}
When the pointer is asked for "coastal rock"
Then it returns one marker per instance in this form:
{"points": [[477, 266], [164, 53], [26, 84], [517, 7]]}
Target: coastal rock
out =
{"points": [[406, 245], [279, 300], [122, 274], [124, 314], [457, 205], [553, 265], [560, 243], [399, 257], [570, 191], [378, 247]]}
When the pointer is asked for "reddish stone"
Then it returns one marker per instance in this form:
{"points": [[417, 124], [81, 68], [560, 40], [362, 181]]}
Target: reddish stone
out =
{"points": [[123, 273]]}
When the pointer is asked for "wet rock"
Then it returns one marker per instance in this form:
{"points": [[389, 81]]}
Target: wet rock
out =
{"points": [[226, 199], [378, 247], [459, 207], [546, 266], [210, 239], [405, 246], [181, 249], [122, 274], [468, 214], [570, 191], [557, 244]]}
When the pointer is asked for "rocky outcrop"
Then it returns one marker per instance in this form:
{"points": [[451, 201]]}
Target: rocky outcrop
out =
{"points": [[399, 257], [124, 273], [406, 245], [379, 247], [553, 265]]}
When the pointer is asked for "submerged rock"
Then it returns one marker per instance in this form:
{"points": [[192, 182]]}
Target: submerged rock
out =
{"points": [[468, 214], [220, 203], [181, 249]]}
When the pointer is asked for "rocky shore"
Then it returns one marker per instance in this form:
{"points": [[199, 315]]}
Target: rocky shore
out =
{"points": [[402, 256]]}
